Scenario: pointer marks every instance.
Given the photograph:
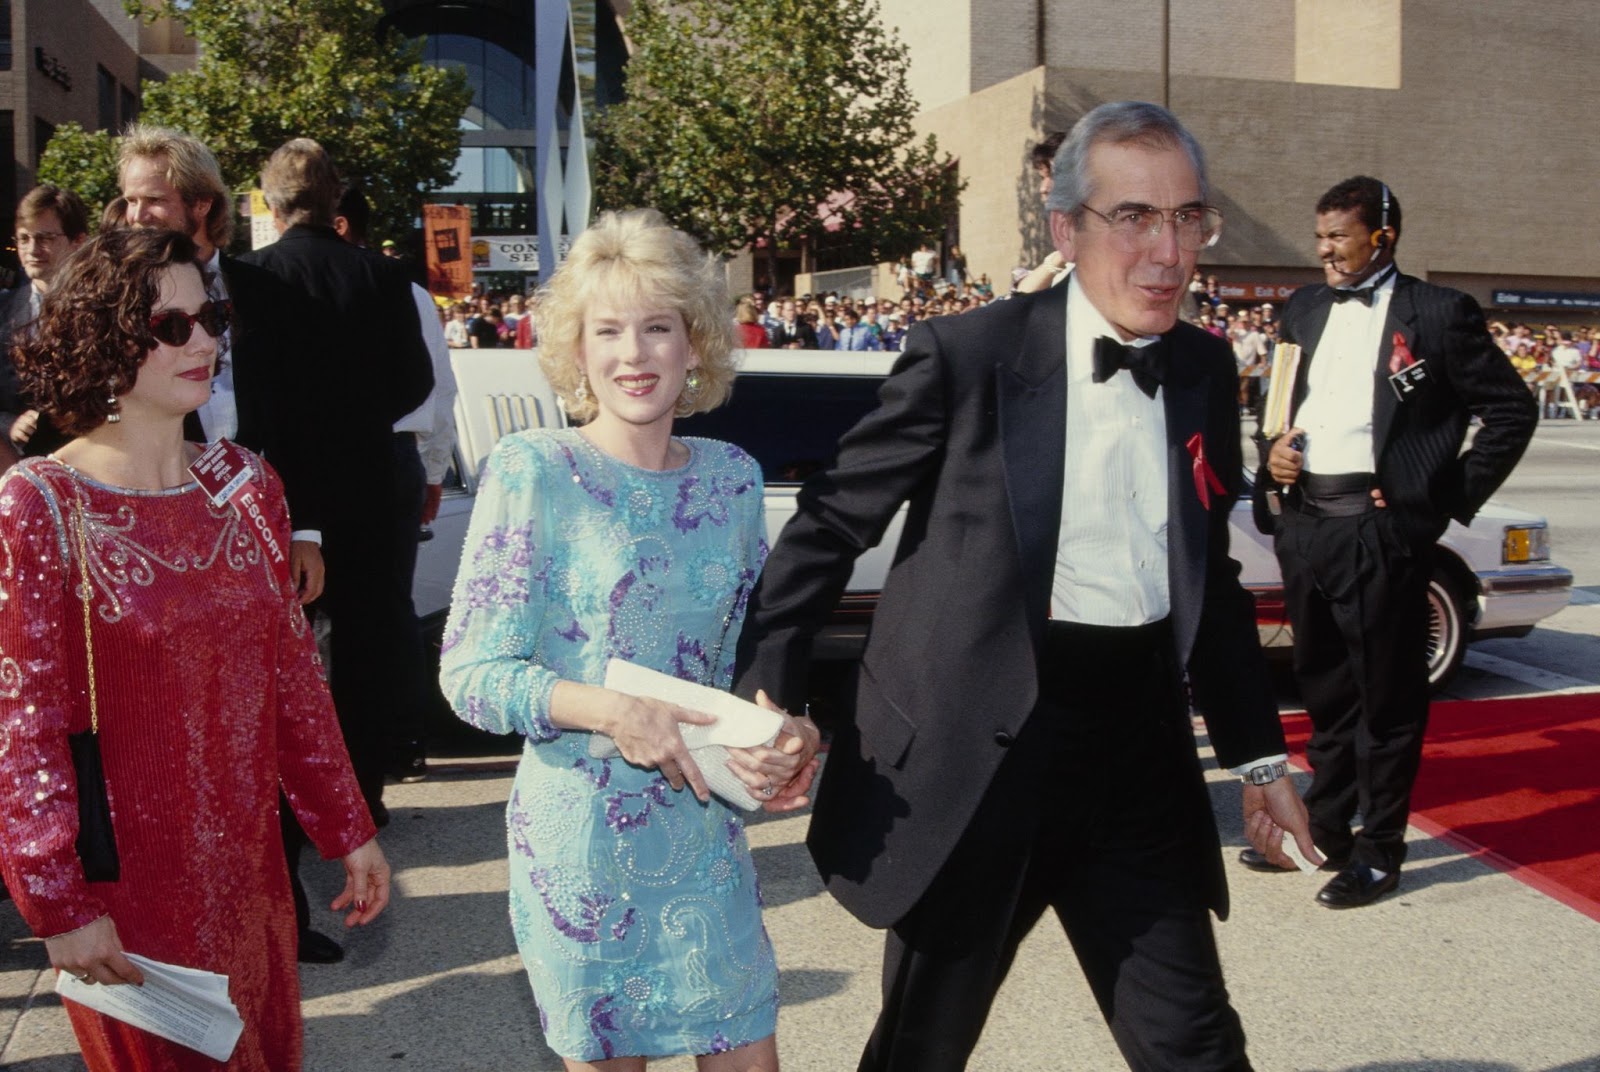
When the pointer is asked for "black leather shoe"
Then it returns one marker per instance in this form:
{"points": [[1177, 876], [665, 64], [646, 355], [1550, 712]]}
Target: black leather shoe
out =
{"points": [[318, 948], [412, 770], [1355, 887], [1257, 862]]}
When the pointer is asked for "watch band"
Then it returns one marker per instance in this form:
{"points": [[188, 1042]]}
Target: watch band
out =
{"points": [[1266, 773]]}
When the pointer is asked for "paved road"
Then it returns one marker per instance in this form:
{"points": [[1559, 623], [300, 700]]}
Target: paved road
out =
{"points": [[1466, 969]]}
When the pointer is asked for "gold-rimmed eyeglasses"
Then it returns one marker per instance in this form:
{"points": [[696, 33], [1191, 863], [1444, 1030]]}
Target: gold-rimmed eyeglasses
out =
{"points": [[1136, 228]]}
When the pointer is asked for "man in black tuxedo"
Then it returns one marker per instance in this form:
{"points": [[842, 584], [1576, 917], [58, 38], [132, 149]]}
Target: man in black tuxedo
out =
{"points": [[1021, 738], [360, 308], [1393, 369]]}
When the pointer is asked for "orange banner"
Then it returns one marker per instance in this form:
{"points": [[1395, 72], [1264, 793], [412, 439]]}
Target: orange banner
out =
{"points": [[447, 231]]}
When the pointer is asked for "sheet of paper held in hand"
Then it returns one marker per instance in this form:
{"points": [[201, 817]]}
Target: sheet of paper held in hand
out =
{"points": [[1291, 849], [740, 724], [1285, 368], [183, 1005]]}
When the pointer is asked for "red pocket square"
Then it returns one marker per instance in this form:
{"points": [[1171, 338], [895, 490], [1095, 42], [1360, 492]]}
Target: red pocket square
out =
{"points": [[1206, 480]]}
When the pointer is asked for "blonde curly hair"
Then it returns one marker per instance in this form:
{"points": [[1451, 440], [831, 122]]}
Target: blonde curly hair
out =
{"points": [[637, 259]]}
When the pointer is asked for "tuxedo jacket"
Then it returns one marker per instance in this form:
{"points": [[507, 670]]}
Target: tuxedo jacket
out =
{"points": [[366, 364], [272, 361], [970, 431], [1416, 442]]}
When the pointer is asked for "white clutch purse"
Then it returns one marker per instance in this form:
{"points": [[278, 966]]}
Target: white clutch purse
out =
{"points": [[739, 724]]}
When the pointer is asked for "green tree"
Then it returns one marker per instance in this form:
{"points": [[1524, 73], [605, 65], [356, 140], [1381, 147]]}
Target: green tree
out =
{"points": [[271, 70], [774, 120], [82, 161]]}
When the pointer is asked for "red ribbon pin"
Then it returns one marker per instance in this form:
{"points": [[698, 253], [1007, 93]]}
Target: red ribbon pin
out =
{"points": [[1205, 478], [1401, 357]]}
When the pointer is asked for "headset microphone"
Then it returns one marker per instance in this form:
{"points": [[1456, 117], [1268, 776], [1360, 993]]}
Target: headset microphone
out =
{"points": [[1380, 237]]}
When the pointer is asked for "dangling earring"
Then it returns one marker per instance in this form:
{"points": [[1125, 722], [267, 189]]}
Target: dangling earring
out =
{"points": [[581, 393], [691, 385], [111, 390]]}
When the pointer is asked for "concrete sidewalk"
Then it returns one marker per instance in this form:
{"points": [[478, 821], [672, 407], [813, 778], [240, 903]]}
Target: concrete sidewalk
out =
{"points": [[1464, 969]]}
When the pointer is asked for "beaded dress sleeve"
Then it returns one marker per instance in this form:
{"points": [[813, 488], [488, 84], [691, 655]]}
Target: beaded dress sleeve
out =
{"points": [[487, 669], [42, 699], [313, 764]]}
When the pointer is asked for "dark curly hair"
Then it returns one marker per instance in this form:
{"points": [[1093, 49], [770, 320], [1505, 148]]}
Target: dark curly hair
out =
{"points": [[93, 330]]}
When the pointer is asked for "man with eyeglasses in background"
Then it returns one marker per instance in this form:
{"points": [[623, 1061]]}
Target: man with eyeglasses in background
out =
{"points": [[1021, 737], [1355, 495], [51, 223]]}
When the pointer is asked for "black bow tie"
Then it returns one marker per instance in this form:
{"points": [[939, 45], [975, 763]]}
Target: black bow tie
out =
{"points": [[1364, 296], [1146, 364]]}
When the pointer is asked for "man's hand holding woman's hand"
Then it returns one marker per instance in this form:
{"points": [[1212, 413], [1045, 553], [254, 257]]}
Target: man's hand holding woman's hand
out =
{"points": [[780, 775]]}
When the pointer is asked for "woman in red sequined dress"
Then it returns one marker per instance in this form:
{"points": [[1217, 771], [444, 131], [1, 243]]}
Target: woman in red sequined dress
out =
{"points": [[205, 679]]}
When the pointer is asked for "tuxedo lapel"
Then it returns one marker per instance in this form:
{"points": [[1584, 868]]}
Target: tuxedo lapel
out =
{"points": [[1184, 398], [1031, 397], [1385, 405]]}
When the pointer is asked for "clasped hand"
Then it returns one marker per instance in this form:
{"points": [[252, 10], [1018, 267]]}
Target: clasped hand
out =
{"points": [[646, 732]]}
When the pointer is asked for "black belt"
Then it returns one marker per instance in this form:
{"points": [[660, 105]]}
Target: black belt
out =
{"points": [[1334, 494]]}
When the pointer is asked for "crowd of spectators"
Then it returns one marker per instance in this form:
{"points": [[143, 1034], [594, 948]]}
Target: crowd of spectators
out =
{"points": [[1568, 352], [833, 321], [489, 320], [844, 322]]}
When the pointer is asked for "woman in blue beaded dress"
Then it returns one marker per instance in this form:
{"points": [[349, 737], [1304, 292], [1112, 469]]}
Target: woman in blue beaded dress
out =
{"points": [[633, 896]]}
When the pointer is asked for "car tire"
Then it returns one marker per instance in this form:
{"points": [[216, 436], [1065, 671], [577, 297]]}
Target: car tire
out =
{"points": [[1447, 629]]}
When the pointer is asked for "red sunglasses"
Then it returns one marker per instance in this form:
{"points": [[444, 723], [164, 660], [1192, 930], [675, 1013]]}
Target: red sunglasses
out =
{"points": [[176, 327]]}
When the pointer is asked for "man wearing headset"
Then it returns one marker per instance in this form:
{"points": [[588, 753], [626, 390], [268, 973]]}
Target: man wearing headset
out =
{"points": [[1356, 492]]}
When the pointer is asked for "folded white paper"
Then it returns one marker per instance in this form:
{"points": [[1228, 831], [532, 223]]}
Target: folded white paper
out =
{"points": [[739, 724], [183, 1005], [1291, 849]]}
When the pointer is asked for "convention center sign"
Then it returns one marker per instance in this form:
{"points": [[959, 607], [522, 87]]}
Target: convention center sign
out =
{"points": [[1545, 299], [511, 253]]}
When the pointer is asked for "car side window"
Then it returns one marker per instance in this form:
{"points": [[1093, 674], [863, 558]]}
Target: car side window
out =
{"points": [[790, 424]]}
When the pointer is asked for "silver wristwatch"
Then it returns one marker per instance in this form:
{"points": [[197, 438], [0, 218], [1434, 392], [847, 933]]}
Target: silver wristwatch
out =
{"points": [[1266, 773]]}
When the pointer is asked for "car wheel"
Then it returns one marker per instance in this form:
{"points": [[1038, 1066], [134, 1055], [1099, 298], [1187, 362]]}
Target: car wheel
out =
{"points": [[1447, 640]]}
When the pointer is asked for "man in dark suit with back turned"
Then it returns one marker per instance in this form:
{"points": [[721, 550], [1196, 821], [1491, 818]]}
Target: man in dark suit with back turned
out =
{"points": [[362, 313], [1393, 369], [1021, 738]]}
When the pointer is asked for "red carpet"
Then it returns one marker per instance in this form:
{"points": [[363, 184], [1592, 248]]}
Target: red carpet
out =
{"points": [[1515, 783]]}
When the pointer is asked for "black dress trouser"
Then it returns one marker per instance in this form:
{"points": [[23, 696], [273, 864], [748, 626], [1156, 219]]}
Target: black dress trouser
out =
{"points": [[1099, 811], [1357, 596]]}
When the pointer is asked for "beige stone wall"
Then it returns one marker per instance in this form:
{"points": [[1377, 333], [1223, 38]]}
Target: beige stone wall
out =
{"points": [[990, 133], [1487, 143], [939, 37]]}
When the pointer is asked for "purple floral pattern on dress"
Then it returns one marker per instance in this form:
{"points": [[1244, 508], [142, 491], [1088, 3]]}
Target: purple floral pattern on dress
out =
{"points": [[707, 499], [591, 908], [602, 495], [598, 773], [622, 819], [603, 1019]]}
